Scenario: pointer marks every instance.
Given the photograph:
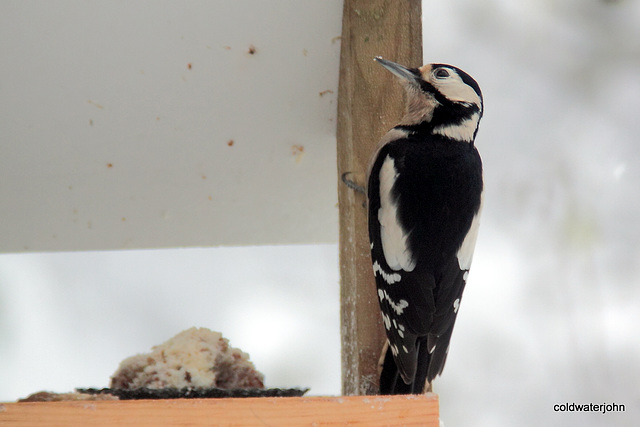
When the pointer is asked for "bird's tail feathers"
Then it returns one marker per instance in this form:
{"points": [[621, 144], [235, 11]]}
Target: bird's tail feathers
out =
{"points": [[391, 381]]}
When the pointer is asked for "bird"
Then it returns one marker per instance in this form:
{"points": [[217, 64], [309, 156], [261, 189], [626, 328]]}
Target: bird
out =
{"points": [[424, 190]]}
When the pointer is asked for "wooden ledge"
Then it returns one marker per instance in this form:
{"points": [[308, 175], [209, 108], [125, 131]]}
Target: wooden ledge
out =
{"points": [[274, 411]]}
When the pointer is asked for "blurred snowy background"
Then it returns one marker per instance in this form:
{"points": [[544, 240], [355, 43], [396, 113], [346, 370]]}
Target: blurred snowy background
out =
{"points": [[551, 311]]}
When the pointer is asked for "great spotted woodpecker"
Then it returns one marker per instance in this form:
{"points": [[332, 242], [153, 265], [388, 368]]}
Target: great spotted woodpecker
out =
{"points": [[424, 190]]}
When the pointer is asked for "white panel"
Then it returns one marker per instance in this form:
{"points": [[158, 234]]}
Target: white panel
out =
{"points": [[116, 120]]}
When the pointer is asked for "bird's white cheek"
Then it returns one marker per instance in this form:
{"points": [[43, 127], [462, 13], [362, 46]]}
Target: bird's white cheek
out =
{"points": [[394, 237], [456, 90]]}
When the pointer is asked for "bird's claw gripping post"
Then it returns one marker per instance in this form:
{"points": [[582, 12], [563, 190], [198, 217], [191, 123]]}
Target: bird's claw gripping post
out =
{"points": [[351, 183]]}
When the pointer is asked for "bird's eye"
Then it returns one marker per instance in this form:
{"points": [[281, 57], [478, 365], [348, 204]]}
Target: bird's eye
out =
{"points": [[441, 73]]}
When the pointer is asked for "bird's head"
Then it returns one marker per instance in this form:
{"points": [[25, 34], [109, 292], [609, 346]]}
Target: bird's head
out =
{"points": [[442, 96]]}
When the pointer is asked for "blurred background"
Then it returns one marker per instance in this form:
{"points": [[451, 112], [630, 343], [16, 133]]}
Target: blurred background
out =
{"points": [[552, 306]]}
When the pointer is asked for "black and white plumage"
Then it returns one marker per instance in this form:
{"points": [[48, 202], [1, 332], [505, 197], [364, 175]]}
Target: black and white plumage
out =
{"points": [[424, 189]]}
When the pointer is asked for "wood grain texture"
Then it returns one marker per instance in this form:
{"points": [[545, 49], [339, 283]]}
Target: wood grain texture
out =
{"points": [[283, 411], [370, 102]]}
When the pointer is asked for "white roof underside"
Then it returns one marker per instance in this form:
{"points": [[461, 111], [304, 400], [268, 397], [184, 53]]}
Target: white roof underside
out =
{"points": [[117, 119]]}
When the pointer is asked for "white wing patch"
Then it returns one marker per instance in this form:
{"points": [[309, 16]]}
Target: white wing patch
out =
{"points": [[394, 348], [465, 253], [394, 238], [398, 307], [390, 278], [386, 320]]}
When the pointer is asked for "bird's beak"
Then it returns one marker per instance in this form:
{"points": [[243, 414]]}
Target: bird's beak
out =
{"points": [[399, 70]]}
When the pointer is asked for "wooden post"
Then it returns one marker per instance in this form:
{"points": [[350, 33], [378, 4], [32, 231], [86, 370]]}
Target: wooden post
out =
{"points": [[369, 104]]}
